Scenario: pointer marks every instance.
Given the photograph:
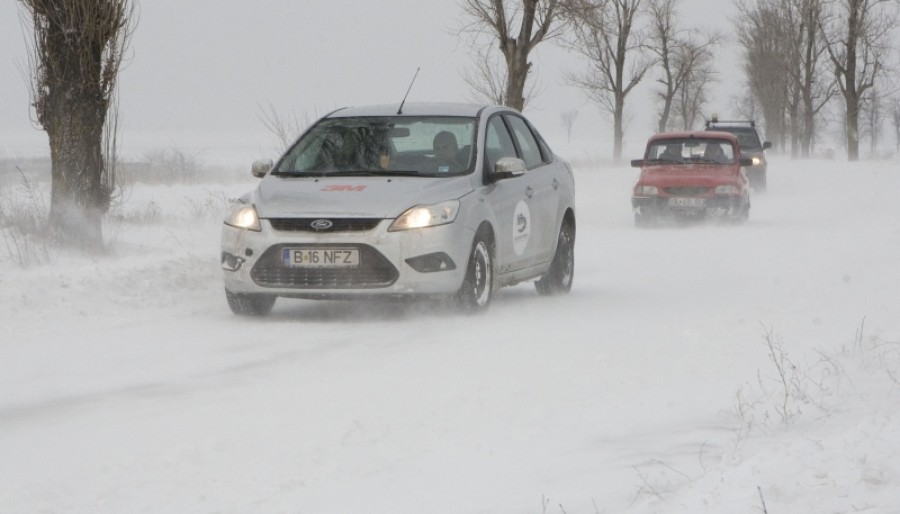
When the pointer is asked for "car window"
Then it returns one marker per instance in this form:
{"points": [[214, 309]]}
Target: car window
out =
{"points": [[748, 138], [531, 152], [384, 145], [690, 150], [498, 143]]}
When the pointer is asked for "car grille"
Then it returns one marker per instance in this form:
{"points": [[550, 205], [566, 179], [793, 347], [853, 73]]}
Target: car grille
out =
{"points": [[686, 191], [337, 225], [374, 271]]}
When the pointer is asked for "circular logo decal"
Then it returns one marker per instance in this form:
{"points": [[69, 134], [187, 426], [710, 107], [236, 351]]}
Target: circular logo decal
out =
{"points": [[521, 227], [321, 224]]}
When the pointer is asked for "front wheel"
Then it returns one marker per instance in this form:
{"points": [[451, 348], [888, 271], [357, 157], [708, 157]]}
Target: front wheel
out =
{"points": [[559, 276], [250, 304], [478, 285]]}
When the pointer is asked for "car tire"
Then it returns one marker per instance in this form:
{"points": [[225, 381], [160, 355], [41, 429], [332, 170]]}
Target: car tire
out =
{"points": [[250, 304], [477, 290], [559, 276]]}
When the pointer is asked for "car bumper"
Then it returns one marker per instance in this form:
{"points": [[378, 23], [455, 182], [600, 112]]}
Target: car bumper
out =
{"points": [[428, 261], [715, 207]]}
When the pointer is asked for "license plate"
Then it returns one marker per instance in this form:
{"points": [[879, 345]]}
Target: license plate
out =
{"points": [[320, 257], [686, 202]]}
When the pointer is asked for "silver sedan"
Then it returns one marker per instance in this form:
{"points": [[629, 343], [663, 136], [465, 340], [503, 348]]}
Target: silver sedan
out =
{"points": [[449, 200]]}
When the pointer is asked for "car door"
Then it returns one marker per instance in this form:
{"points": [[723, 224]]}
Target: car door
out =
{"points": [[542, 190], [510, 201]]}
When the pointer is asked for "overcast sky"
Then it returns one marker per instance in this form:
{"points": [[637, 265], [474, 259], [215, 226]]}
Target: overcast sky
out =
{"points": [[210, 66]]}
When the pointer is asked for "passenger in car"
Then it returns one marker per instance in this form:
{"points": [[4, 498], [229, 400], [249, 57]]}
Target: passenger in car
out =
{"points": [[715, 153], [446, 151], [671, 153]]}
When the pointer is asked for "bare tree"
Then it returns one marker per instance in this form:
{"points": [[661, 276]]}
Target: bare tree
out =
{"points": [[605, 33], [77, 49], [857, 37], [285, 127], [895, 118], [568, 121], [517, 27], [811, 89], [872, 117], [763, 35], [683, 60], [487, 80], [695, 59]]}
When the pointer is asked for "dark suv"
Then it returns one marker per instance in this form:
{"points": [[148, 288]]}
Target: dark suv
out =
{"points": [[752, 146]]}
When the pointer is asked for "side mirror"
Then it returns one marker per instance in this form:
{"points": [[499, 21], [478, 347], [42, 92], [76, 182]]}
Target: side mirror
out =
{"points": [[746, 161], [261, 168], [637, 163], [509, 167], [767, 145]]}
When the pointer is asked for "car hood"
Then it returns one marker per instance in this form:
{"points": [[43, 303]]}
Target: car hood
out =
{"points": [[688, 175], [364, 197]]}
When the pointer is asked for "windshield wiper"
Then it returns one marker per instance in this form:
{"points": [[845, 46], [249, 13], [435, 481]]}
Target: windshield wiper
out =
{"points": [[374, 173], [348, 173], [401, 173]]}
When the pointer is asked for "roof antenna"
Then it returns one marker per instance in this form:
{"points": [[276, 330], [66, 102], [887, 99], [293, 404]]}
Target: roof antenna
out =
{"points": [[400, 110]]}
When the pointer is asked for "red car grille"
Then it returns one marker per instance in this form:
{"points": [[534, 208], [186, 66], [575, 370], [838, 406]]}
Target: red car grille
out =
{"points": [[686, 191]]}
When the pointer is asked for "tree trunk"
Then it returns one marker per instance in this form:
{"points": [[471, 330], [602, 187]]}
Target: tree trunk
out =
{"points": [[517, 67], [852, 126], [79, 198], [851, 95], [618, 127], [73, 113]]}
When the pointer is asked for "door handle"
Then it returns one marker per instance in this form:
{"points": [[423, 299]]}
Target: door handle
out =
{"points": [[555, 184], [529, 192]]}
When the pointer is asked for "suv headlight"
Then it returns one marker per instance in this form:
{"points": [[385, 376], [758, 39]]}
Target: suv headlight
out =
{"points": [[757, 161], [645, 191], [422, 216], [243, 216]]}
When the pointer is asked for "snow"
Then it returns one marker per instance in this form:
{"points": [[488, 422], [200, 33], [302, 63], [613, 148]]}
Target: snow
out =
{"points": [[126, 385]]}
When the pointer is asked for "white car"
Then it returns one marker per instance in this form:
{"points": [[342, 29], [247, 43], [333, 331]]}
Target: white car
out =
{"points": [[449, 200]]}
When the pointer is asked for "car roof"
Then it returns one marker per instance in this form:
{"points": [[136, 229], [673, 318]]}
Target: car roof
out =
{"points": [[416, 109], [704, 134], [733, 128]]}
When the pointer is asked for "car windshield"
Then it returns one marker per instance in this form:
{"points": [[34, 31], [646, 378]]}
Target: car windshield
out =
{"points": [[747, 138], [384, 145], [690, 151]]}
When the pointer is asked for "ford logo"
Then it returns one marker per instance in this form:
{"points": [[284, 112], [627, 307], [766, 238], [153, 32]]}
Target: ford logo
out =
{"points": [[321, 225]]}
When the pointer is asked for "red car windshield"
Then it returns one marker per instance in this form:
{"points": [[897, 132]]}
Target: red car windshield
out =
{"points": [[690, 151]]}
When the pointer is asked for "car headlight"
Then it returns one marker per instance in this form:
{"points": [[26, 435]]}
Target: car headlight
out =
{"points": [[757, 161], [422, 216], [645, 191], [243, 216], [727, 190]]}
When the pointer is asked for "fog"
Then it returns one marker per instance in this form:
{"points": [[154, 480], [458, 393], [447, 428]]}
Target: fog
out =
{"points": [[200, 73], [126, 385]]}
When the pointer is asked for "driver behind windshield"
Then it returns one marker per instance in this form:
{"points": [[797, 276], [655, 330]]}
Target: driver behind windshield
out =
{"points": [[672, 152]]}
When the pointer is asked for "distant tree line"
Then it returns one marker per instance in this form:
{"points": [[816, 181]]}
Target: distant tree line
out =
{"points": [[799, 57]]}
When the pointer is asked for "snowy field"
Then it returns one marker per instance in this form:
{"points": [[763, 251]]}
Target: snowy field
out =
{"points": [[736, 369]]}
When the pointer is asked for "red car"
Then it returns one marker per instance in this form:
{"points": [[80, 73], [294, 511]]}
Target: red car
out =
{"points": [[691, 175]]}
